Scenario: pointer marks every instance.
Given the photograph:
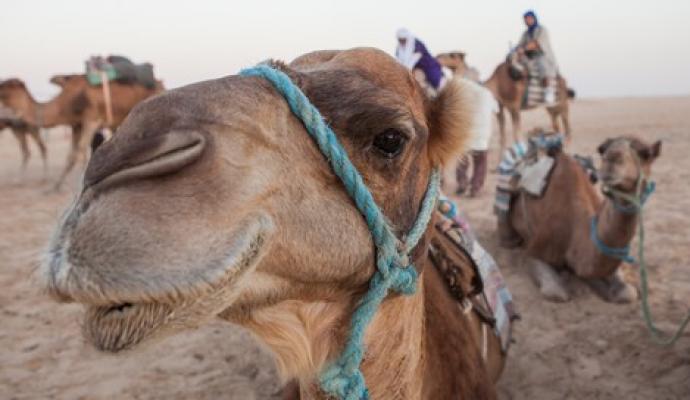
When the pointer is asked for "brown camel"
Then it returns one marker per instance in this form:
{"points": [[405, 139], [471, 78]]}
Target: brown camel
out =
{"points": [[79, 105], [555, 229], [508, 84], [22, 131], [187, 214]]}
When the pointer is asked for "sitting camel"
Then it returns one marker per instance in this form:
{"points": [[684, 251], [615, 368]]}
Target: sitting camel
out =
{"points": [[22, 131], [571, 224], [508, 84], [187, 214], [78, 104]]}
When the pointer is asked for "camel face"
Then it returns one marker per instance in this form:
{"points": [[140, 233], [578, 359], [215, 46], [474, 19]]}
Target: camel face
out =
{"points": [[212, 198], [13, 93], [623, 159]]}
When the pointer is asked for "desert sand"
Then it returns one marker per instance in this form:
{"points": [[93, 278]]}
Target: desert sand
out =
{"points": [[584, 349]]}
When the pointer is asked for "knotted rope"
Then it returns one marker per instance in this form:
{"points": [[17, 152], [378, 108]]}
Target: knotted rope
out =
{"points": [[637, 202], [343, 378]]}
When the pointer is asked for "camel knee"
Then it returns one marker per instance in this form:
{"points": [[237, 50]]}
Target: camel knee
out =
{"points": [[614, 289], [549, 282]]}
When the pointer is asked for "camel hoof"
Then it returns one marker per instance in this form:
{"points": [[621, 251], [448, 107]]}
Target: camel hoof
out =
{"points": [[623, 294]]}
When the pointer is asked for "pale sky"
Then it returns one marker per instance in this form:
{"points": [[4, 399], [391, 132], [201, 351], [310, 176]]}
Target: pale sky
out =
{"points": [[604, 47]]}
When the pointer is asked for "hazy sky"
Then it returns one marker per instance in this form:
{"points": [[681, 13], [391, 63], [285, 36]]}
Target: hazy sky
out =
{"points": [[604, 47]]}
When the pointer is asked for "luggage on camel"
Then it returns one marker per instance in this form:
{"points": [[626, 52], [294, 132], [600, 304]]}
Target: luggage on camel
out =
{"points": [[119, 69], [477, 285]]}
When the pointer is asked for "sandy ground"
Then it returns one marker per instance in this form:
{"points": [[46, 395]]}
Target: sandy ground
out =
{"points": [[585, 349]]}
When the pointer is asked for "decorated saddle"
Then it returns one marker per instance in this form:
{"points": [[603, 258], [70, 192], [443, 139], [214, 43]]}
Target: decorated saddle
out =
{"points": [[119, 69], [526, 167], [471, 273]]}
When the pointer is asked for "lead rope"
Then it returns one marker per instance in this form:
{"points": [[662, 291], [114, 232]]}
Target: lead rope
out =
{"points": [[637, 202], [394, 271]]}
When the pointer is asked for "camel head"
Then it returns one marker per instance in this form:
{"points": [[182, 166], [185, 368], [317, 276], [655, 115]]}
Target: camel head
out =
{"points": [[212, 198], [455, 61], [13, 94], [623, 159]]}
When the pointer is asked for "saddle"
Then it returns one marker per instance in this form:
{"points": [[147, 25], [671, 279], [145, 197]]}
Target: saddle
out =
{"points": [[471, 274], [119, 69]]}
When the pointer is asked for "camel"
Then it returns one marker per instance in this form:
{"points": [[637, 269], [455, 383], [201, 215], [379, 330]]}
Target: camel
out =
{"points": [[187, 214], [508, 84], [79, 105], [555, 229], [22, 131]]}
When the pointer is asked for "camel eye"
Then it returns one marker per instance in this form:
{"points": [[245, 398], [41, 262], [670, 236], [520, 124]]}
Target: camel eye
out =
{"points": [[390, 142]]}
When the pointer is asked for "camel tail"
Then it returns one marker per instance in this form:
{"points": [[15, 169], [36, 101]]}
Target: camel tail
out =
{"points": [[571, 93]]}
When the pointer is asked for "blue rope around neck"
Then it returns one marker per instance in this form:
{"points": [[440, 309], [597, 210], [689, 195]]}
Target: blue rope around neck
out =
{"points": [[621, 253], [343, 378]]}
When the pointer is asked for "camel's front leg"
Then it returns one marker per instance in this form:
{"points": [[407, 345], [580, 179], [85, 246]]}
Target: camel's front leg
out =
{"points": [[614, 289], [80, 140], [26, 154], [516, 123], [36, 136], [501, 118], [548, 280]]}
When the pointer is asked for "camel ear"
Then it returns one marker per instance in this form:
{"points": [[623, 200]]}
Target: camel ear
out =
{"points": [[450, 119], [650, 153], [604, 146]]}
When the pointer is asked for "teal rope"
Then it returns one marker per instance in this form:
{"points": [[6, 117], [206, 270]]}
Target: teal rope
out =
{"points": [[637, 202], [343, 378], [621, 253]]}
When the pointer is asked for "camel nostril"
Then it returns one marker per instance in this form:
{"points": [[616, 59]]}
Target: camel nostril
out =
{"points": [[116, 162]]}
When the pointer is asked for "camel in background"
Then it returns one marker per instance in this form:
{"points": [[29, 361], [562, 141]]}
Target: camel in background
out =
{"points": [[78, 105], [508, 84], [555, 229], [186, 215], [22, 131]]}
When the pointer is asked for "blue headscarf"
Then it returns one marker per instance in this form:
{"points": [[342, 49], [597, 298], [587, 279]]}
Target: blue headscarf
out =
{"points": [[530, 29]]}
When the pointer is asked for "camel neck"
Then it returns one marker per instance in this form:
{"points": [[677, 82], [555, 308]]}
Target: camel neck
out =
{"points": [[615, 229], [44, 114]]}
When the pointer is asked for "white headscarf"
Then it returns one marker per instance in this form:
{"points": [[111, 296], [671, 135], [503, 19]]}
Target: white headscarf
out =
{"points": [[405, 53]]}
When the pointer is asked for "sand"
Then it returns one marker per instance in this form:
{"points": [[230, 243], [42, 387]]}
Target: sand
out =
{"points": [[584, 349]]}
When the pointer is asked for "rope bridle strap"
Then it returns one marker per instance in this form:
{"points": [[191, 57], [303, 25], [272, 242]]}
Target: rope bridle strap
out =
{"points": [[636, 203], [394, 271]]}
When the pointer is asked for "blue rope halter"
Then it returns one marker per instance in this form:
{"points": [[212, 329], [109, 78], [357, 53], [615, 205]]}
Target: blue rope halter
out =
{"points": [[343, 378], [636, 201]]}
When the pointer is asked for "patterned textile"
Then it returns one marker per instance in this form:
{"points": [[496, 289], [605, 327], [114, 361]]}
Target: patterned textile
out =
{"points": [[535, 95], [496, 295], [516, 160]]}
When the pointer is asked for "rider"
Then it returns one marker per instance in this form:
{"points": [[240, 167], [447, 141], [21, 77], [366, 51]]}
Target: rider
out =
{"points": [[536, 45], [412, 53]]}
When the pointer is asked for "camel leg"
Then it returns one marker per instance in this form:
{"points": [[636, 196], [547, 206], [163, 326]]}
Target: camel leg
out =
{"points": [[614, 289], [501, 117], [548, 280], [517, 129], [554, 114], [36, 136], [80, 140], [26, 153], [565, 117]]}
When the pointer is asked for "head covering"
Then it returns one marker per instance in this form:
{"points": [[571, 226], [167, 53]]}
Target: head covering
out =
{"points": [[530, 29], [405, 52]]}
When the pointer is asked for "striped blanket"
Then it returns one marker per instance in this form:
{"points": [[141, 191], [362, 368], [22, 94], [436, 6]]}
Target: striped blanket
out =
{"points": [[519, 162]]}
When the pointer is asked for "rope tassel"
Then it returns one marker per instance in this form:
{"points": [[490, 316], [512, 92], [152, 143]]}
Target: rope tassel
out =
{"points": [[343, 378]]}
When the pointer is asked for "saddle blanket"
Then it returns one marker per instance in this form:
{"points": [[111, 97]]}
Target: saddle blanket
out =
{"points": [[525, 167], [119, 69], [496, 293]]}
